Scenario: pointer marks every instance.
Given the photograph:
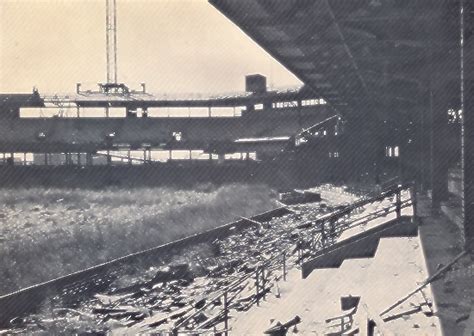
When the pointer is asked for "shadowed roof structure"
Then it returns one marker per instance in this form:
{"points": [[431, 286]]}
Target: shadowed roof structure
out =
{"points": [[378, 52], [393, 67]]}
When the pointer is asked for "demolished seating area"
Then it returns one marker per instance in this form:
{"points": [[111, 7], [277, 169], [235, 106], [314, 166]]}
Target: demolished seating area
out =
{"points": [[200, 288]]}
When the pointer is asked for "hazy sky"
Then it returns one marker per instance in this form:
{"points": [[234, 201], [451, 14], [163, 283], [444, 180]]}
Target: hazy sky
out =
{"points": [[171, 45]]}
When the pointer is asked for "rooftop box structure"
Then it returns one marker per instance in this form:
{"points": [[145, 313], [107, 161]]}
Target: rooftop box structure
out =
{"points": [[256, 83]]}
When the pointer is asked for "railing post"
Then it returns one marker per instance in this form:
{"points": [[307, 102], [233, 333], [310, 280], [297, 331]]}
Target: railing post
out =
{"points": [[226, 314], [257, 285], [398, 205], [263, 282], [323, 234], [300, 244], [332, 228], [284, 265], [413, 202]]}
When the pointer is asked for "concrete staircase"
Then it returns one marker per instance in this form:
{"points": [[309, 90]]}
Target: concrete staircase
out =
{"points": [[362, 245]]}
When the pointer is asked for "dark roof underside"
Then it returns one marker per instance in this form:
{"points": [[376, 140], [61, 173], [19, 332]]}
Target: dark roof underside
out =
{"points": [[378, 52]]}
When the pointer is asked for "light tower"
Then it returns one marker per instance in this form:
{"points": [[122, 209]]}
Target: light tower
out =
{"points": [[111, 86], [111, 40]]}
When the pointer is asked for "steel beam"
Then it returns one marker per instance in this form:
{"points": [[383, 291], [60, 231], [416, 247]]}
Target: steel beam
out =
{"points": [[468, 164], [467, 106], [348, 50]]}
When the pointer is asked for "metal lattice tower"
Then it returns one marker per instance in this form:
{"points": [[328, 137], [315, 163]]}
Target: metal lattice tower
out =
{"points": [[111, 40]]}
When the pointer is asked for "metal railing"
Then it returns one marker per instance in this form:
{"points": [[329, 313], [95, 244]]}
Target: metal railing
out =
{"points": [[261, 280]]}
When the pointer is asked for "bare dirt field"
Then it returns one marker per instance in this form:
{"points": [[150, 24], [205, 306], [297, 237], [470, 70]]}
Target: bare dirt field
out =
{"points": [[46, 233]]}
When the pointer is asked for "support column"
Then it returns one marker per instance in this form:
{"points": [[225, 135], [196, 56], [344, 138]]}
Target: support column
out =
{"points": [[439, 154], [89, 159], [468, 164], [424, 145], [220, 158], [467, 105], [69, 159], [442, 62]]}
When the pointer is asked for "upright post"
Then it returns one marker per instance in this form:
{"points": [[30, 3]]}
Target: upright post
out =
{"points": [[398, 203], [284, 266], [89, 159], [413, 190], [467, 108], [332, 228], [439, 168], [257, 286], [423, 148], [323, 234], [444, 90], [300, 253], [226, 314]]}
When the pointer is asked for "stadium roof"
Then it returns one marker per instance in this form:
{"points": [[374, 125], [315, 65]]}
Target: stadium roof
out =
{"points": [[356, 52]]}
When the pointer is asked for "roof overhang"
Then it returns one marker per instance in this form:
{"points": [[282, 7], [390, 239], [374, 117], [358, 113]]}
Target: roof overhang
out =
{"points": [[358, 52]]}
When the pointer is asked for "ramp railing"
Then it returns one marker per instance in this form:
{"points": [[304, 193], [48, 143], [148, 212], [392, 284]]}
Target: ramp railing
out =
{"points": [[267, 274]]}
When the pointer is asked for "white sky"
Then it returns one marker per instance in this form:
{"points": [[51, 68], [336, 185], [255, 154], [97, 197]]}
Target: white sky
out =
{"points": [[174, 46]]}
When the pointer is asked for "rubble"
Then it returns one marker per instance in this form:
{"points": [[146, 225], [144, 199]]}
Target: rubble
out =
{"points": [[280, 329], [187, 289], [299, 197]]}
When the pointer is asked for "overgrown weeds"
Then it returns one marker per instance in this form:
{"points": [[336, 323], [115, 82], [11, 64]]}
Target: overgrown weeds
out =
{"points": [[46, 233]]}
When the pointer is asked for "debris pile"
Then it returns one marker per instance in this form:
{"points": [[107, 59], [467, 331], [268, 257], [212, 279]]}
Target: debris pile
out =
{"points": [[196, 289]]}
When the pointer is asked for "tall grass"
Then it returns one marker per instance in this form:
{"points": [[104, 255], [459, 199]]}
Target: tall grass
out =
{"points": [[45, 233]]}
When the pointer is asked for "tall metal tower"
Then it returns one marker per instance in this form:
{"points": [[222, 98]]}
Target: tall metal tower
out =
{"points": [[111, 37]]}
